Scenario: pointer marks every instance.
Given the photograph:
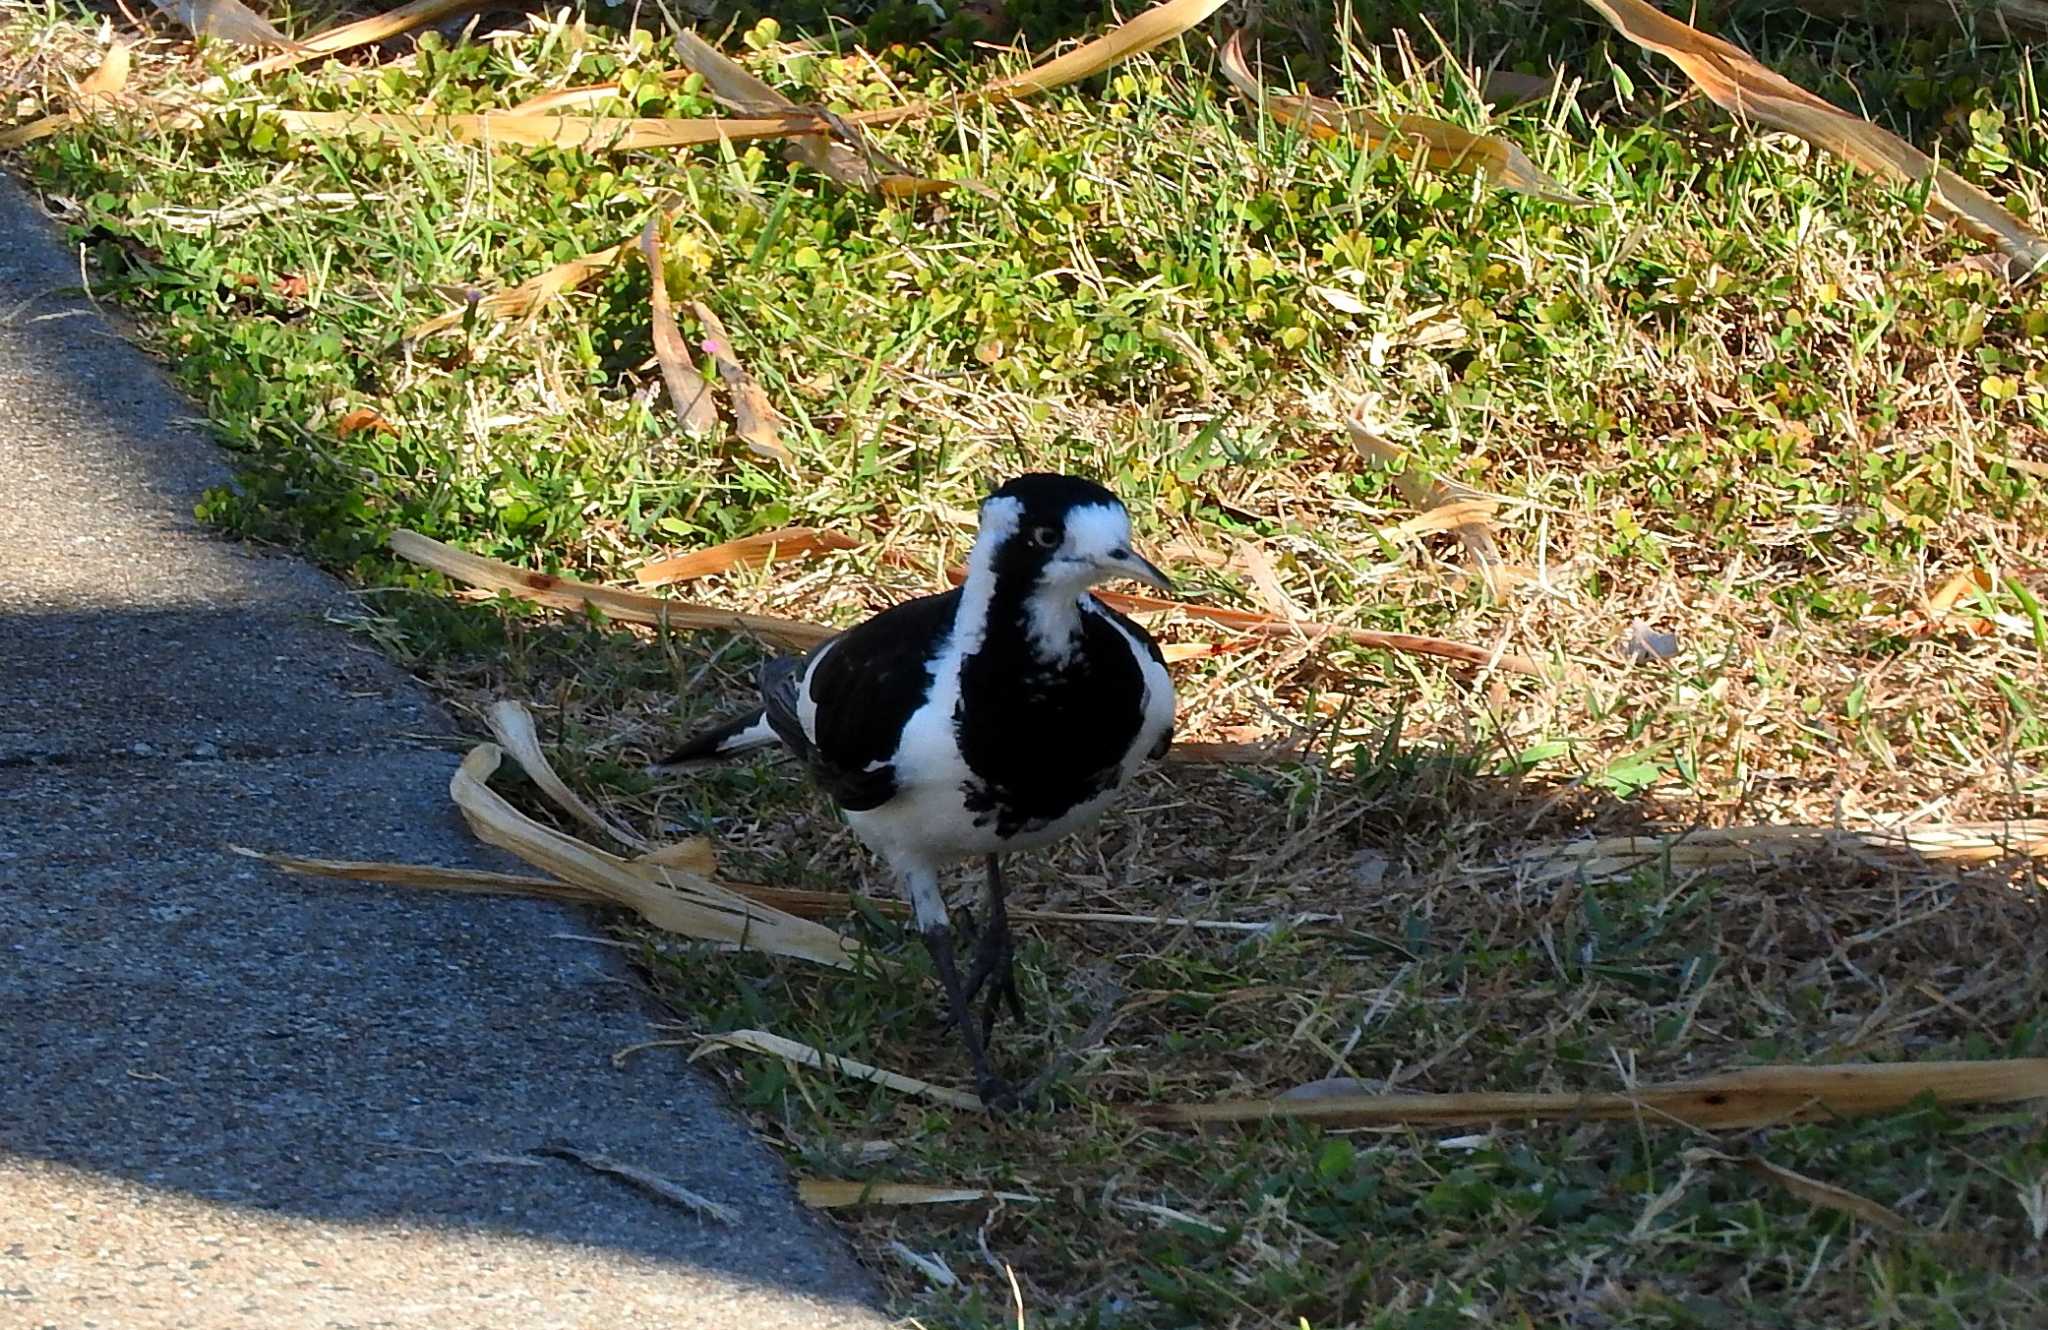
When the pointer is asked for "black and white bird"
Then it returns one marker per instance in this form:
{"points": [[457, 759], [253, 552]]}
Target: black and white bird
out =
{"points": [[998, 716]]}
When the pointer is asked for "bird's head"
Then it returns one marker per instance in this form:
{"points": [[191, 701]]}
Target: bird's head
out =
{"points": [[1060, 535]]}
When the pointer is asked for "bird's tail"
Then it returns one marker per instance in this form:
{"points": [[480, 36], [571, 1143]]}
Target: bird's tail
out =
{"points": [[742, 735]]}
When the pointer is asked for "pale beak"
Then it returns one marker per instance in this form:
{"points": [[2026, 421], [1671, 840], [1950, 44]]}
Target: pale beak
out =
{"points": [[1125, 563]]}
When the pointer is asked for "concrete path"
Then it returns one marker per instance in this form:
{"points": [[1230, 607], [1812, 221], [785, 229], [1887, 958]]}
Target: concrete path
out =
{"points": [[232, 1098]]}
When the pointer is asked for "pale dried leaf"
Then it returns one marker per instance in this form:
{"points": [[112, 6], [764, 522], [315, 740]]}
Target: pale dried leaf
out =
{"points": [[1157, 25], [1451, 515], [1441, 507], [530, 297], [687, 390], [765, 547], [652, 1183], [729, 81], [361, 32], [40, 128], [1258, 566], [1757, 1097], [225, 20], [1176, 652], [1608, 856], [512, 725], [1742, 87], [678, 902], [697, 854], [624, 606], [838, 1193], [789, 1050], [932, 1267], [591, 133], [567, 99], [1419, 137]]}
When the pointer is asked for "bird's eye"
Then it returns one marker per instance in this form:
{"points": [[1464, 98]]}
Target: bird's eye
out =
{"points": [[1045, 537]]}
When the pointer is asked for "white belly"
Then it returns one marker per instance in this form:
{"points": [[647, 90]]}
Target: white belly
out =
{"points": [[928, 824], [932, 826]]}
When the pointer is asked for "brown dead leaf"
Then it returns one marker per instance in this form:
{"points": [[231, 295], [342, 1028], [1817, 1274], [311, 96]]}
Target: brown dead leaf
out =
{"points": [[1266, 625], [765, 547], [1744, 88], [1815, 1192], [105, 83], [531, 296], [687, 390], [1756, 1097], [111, 76], [1270, 626], [362, 32], [623, 606], [753, 418], [698, 854], [1443, 145], [363, 418], [1944, 600]]}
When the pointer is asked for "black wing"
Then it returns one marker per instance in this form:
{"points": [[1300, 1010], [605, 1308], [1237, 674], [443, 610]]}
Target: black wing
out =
{"points": [[866, 684]]}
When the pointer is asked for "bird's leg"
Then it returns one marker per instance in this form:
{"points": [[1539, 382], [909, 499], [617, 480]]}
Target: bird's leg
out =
{"points": [[995, 957], [937, 931]]}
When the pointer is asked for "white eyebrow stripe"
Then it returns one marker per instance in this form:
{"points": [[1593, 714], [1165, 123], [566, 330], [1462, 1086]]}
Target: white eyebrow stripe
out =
{"points": [[1097, 528]]}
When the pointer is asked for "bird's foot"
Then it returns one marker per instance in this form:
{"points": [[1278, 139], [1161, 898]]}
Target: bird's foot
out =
{"points": [[996, 1093], [995, 968], [999, 1096]]}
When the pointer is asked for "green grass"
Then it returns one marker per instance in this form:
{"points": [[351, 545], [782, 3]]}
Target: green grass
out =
{"points": [[1746, 395]]}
